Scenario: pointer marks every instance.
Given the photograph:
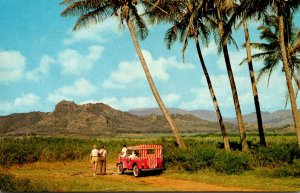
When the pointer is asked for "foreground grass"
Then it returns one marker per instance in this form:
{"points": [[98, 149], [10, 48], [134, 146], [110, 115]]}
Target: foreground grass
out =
{"points": [[76, 176], [73, 176], [249, 180]]}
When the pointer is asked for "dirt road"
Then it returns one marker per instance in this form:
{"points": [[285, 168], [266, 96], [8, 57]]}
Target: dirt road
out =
{"points": [[164, 182], [77, 176]]}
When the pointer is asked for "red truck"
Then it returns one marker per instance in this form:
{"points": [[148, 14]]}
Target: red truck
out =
{"points": [[149, 158]]}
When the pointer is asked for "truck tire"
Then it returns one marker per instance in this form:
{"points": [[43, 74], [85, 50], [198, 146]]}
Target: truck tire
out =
{"points": [[120, 169], [136, 171]]}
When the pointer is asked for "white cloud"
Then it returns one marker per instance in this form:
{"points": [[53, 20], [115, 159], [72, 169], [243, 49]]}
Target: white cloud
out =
{"points": [[75, 63], [171, 98], [81, 88], [42, 69], [95, 33], [12, 66], [26, 102], [128, 103], [211, 49], [130, 72]]}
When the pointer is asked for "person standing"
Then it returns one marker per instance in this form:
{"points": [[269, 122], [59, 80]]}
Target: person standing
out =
{"points": [[102, 154], [94, 159]]}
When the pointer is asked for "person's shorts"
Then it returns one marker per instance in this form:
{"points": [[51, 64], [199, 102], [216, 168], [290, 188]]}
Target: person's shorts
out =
{"points": [[94, 160]]}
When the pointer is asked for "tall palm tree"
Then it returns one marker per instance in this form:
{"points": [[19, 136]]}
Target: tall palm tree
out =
{"points": [[221, 10], [189, 23], [271, 52], [280, 9], [94, 11], [253, 83], [284, 9], [254, 87]]}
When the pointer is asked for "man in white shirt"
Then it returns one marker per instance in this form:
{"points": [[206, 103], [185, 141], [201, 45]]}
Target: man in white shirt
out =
{"points": [[103, 154], [94, 159]]}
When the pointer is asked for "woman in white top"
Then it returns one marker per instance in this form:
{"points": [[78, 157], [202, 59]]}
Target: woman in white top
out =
{"points": [[94, 159]]}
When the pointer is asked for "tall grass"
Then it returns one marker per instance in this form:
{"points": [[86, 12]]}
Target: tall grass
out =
{"points": [[202, 152]]}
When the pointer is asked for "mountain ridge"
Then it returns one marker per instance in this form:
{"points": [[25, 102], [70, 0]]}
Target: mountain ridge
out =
{"points": [[100, 119], [97, 119], [277, 118]]}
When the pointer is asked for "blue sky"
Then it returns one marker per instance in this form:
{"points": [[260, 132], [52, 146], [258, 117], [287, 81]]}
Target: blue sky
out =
{"points": [[43, 62]]}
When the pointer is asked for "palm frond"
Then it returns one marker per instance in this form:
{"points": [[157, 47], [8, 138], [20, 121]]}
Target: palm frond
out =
{"points": [[243, 61], [93, 17], [185, 44], [140, 25], [262, 46], [170, 36], [261, 55], [68, 2], [79, 8]]}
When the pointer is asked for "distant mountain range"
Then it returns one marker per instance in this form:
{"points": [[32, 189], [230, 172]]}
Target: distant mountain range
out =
{"points": [[100, 119], [274, 119]]}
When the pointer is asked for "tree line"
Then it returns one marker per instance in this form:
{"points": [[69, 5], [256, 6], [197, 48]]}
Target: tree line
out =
{"points": [[196, 20]]}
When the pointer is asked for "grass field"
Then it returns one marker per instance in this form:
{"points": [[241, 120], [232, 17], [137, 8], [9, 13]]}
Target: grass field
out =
{"points": [[62, 164]]}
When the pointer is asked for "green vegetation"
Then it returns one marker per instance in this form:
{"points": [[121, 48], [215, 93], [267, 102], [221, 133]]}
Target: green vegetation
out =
{"points": [[280, 159], [10, 183]]}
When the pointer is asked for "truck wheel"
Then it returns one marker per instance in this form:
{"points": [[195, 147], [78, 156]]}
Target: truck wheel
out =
{"points": [[120, 169], [136, 171]]}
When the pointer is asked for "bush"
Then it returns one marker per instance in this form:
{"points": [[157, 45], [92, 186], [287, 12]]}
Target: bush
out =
{"points": [[231, 162], [16, 151], [8, 183], [275, 155], [288, 170], [200, 158]]}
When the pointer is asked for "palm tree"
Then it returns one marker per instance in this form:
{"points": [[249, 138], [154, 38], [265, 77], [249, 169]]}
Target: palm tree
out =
{"points": [[284, 10], [254, 87], [94, 11], [220, 10], [253, 83], [188, 23]]}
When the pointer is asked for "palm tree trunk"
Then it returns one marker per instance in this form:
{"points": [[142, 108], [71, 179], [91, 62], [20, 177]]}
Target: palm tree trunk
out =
{"points": [[153, 87], [254, 88], [287, 72], [232, 82], [213, 96]]}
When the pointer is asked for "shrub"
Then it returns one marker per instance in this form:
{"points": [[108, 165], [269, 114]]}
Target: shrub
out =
{"points": [[8, 183], [16, 151], [275, 155], [231, 162], [201, 158], [288, 170]]}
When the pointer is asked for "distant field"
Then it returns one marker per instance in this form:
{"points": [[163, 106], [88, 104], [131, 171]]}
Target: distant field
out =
{"points": [[62, 164]]}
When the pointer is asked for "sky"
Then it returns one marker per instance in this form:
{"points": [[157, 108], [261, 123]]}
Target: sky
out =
{"points": [[42, 61]]}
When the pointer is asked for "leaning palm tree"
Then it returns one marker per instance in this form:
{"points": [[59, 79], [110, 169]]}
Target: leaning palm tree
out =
{"points": [[284, 9], [188, 22], [94, 11]]}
